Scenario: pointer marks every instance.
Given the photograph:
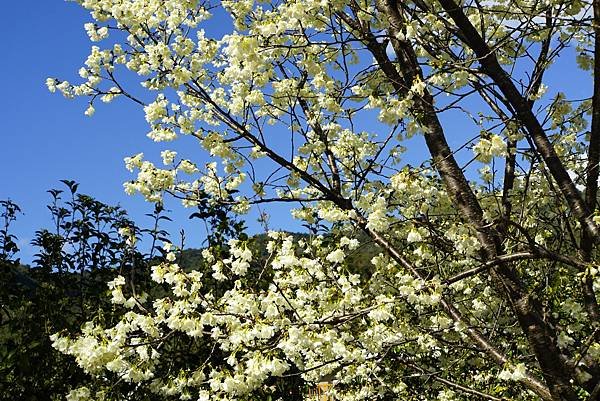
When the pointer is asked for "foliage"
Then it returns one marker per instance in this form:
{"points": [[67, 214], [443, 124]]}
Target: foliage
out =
{"points": [[66, 287], [486, 282], [62, 290], [9, 214]]}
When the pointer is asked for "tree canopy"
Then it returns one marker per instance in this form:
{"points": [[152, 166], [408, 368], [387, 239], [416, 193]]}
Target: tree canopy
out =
{"points": [[485, 284]]}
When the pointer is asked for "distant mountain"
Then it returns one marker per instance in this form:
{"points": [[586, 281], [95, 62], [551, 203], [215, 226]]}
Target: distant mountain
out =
{"points": [[358, 260]]}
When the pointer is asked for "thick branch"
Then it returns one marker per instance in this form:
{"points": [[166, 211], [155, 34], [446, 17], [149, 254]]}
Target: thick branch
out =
{"points": [[540, 254], [593, 159], [490, 65]]}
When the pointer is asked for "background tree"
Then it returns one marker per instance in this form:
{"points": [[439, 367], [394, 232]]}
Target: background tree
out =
{"points": [[487, 276], [65, 287]]}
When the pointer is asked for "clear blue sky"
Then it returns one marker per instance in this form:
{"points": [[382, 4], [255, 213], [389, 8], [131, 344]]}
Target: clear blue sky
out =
{"points": [[46, 138]]}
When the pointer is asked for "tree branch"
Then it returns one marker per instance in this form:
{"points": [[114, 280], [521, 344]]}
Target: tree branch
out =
{"points": [[490, 65]]}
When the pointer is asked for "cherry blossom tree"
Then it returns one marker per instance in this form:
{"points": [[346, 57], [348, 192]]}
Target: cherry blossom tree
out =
{"points": [[486, 278]]}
